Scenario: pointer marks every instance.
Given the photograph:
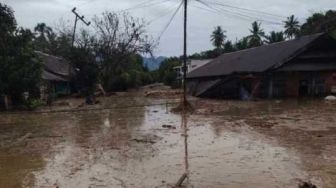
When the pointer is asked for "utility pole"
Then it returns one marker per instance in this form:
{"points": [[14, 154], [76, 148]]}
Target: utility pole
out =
{"points": [[78, 17], [185, 54]]}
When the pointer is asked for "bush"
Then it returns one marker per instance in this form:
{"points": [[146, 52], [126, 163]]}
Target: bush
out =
{"points": [[32, 104]]}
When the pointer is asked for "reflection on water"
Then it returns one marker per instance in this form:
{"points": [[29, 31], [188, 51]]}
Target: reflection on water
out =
{"points": [[236, 144]]}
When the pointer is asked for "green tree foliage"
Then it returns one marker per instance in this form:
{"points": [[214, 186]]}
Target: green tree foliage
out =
{"points": [[320, 22], [257, 34], [20, 68], [47, 41], [113, 50], [242, 44], [218, 37], [167, 73], [292, 27], [7, 21], [120, 40], [228, 46], [43, 35], [86, 70], [274, 37]]}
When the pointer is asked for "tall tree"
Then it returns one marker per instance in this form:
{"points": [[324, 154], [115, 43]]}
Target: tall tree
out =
{"points": [[228, 46], [218, 37], [119, 37], [42, 30], [44, 36], [292, 27], [320, 22], [255, 39], [274, 37], [20, 69], [242, 44]]}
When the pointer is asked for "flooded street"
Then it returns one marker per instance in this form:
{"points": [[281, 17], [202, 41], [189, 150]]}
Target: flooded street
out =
{"points": [[230, 144]]}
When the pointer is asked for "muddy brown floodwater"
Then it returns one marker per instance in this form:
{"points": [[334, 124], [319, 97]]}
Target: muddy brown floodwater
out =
{"points": [[230, 144]]}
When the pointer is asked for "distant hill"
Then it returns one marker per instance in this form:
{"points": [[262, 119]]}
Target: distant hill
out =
{"points": [[153, 63]]}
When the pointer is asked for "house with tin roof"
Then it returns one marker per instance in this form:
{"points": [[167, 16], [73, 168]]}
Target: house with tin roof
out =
{"points": [[305, 66], [56, 76]]}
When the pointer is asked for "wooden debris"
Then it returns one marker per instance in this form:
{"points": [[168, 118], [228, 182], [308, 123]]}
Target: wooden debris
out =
{"points": [[143, 141], [181, 180], [169, 126], [307, 185]]}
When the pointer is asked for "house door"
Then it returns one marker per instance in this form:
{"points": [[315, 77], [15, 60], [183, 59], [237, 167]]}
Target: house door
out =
{"points": [[303, 88]]}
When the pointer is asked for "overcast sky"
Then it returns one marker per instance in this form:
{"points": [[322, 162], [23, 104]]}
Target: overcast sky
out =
{"points": [[201, 20]]}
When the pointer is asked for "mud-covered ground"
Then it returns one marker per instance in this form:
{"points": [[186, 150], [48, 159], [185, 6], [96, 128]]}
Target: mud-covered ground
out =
{"points": [[131, 140]]}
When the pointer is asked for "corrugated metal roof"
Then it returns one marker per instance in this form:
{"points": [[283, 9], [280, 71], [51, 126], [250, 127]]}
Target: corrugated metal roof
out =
{"points": [[257, 59], [54, 68], [52, 77], [55, 64], [195, 64], [309, 66]]}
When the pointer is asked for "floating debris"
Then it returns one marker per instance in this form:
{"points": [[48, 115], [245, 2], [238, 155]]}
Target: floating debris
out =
{"points": [[307, 185], [169, 126]]}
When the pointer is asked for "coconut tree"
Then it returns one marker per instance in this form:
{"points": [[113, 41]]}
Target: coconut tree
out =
{"points": [[42, 29], [218, 37], [242, 44], [255, 39], [228, 46], [43, 36], [274, 37], [292, 27]]}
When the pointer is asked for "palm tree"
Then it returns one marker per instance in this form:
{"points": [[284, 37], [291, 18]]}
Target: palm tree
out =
{"points": [[218, 37], [44, 36], [275, 37], [255, 39], [292, 27], [242, 44], [42, 30], [228, 46]]}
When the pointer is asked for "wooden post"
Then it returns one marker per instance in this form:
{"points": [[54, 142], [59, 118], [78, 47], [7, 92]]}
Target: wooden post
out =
{"points": [[270, 88], [185, 54], [6, 101]]}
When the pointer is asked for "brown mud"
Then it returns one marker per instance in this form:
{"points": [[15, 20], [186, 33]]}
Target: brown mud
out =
{"points": [[230, 144]]}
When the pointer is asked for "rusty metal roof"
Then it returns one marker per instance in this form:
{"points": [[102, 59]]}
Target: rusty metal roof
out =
{"points": [[254, 60], [54, 68]]}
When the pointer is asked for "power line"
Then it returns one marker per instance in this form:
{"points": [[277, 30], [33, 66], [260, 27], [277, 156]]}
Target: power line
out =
{"points": [[218, 11], [145, 4], [139, 5], [172, 8], [241, 15], [246, 9], [169, 22], [205, 9]]}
